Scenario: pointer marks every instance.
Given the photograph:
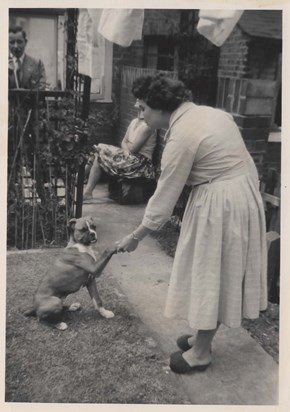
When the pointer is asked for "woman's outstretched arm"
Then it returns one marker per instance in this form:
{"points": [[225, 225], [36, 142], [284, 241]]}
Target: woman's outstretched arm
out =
{"points": [[130, 242]]}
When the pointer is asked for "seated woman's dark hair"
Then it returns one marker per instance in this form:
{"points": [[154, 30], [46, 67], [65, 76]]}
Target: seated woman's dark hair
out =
{"points": [[161, 92]]}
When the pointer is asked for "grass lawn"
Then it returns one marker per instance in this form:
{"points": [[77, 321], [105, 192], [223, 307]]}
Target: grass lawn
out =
{"points": [[95, 360]]}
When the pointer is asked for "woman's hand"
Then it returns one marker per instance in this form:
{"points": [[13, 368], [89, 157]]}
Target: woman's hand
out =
{"points": [[127, 244]]}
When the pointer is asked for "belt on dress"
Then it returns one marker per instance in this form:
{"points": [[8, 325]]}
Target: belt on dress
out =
{"points": [[212, 180], [202, 183]]}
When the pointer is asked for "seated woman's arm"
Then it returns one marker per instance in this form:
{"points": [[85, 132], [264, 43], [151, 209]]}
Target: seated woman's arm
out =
{"points": [[124, 143], [142, 135]]}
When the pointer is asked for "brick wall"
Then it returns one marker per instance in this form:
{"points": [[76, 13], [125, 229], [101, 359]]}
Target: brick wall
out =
{"points": [[233, 55], [197, 60], [250, 101], [161, 22], [263, 57], [273, 156], [129, 56], [246, 88]]}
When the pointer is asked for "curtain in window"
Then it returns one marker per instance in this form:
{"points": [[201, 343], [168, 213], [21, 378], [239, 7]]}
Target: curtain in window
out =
{"points": [[90, 44]]}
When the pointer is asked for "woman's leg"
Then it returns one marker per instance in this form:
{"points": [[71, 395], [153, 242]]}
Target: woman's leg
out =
{"points": [[93, 180], [200, 353]]}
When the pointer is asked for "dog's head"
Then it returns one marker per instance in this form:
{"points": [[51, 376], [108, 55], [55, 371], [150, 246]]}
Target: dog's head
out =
{"points": [[83, 230]]}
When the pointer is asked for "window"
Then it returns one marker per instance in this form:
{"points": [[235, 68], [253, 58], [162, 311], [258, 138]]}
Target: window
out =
{"points": [[101, 87], [159, 52], [45, 40]]}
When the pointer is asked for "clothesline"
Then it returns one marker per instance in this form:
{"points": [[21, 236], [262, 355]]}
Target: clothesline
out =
{"points": [[122, 26]]}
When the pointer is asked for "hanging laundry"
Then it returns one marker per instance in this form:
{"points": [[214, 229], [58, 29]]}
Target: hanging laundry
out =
{"points": [[217, 25], [122, 26], [90, 44]]}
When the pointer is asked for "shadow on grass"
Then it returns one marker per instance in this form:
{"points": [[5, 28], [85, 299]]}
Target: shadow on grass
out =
{"points": [[95, 360]]}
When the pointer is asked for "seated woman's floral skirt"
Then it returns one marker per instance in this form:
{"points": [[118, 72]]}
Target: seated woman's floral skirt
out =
{"points": [[117, 162]]}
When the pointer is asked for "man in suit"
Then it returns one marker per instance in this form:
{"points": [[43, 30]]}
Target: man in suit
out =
{"points": [[25, 72]]}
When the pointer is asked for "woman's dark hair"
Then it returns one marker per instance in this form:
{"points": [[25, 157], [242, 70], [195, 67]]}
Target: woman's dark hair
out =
{"points": [[161, 92]]}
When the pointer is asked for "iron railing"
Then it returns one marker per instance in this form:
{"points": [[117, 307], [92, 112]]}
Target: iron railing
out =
{"points": [[46, 150]]}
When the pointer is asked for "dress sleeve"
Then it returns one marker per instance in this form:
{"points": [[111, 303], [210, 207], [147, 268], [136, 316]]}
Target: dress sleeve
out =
{"points": [[176, 165]]}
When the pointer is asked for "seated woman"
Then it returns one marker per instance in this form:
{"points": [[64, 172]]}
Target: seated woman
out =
{"points": [[132, 160]]}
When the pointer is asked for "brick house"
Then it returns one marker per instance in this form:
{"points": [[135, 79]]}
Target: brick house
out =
{"points": [[170, 42], [249, 81], [242, 77]]}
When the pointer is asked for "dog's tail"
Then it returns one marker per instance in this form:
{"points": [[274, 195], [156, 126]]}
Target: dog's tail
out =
{"points": [[30, 312]]}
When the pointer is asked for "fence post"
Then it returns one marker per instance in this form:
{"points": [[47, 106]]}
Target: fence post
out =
{"points": [[81, 171]]}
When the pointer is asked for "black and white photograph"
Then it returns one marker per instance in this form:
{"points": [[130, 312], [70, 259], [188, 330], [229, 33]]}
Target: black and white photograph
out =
{"points": [[143, 214]]}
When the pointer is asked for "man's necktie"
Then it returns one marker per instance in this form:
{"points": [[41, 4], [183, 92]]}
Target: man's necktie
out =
{"points": [[18, 72]]}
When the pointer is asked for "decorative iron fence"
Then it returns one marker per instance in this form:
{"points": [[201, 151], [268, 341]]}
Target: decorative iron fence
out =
{"points": [[46, 149]]}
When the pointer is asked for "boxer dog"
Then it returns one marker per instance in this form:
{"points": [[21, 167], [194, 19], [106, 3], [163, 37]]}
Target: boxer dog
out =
{"points": [[78, 266]]}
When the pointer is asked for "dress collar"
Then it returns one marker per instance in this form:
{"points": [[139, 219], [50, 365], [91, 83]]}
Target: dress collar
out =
{"points": [[183, 108]]}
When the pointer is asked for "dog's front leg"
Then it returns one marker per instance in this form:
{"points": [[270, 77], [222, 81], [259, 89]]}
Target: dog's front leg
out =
{"points": [[97, 301], [86, 262], [102, 261]]}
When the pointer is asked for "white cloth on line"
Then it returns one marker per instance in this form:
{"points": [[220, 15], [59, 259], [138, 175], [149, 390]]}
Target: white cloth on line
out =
{"points": [[217, 25], [121, 26], [90, 44]]}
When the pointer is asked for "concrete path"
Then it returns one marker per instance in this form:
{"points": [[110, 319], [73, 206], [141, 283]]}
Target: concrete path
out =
{"points": [[242, 373]]}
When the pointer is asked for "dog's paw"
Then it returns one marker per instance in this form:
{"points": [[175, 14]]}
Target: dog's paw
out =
{"points": [[61, 326], [74, 306], [106, 313]]}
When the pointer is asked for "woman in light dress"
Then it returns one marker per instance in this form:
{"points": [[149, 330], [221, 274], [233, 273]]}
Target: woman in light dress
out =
{"points": [[219, 269]]}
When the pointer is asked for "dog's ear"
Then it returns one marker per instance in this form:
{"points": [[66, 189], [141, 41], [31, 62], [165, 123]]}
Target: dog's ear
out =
{"points": [[71, 223], [92, 221]]}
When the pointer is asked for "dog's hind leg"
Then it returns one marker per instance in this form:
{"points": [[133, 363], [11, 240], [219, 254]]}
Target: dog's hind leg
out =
{"points": [[73, 307], [51, 311], [61, 326], [53, 321], [30, 312], [97, 301]]}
